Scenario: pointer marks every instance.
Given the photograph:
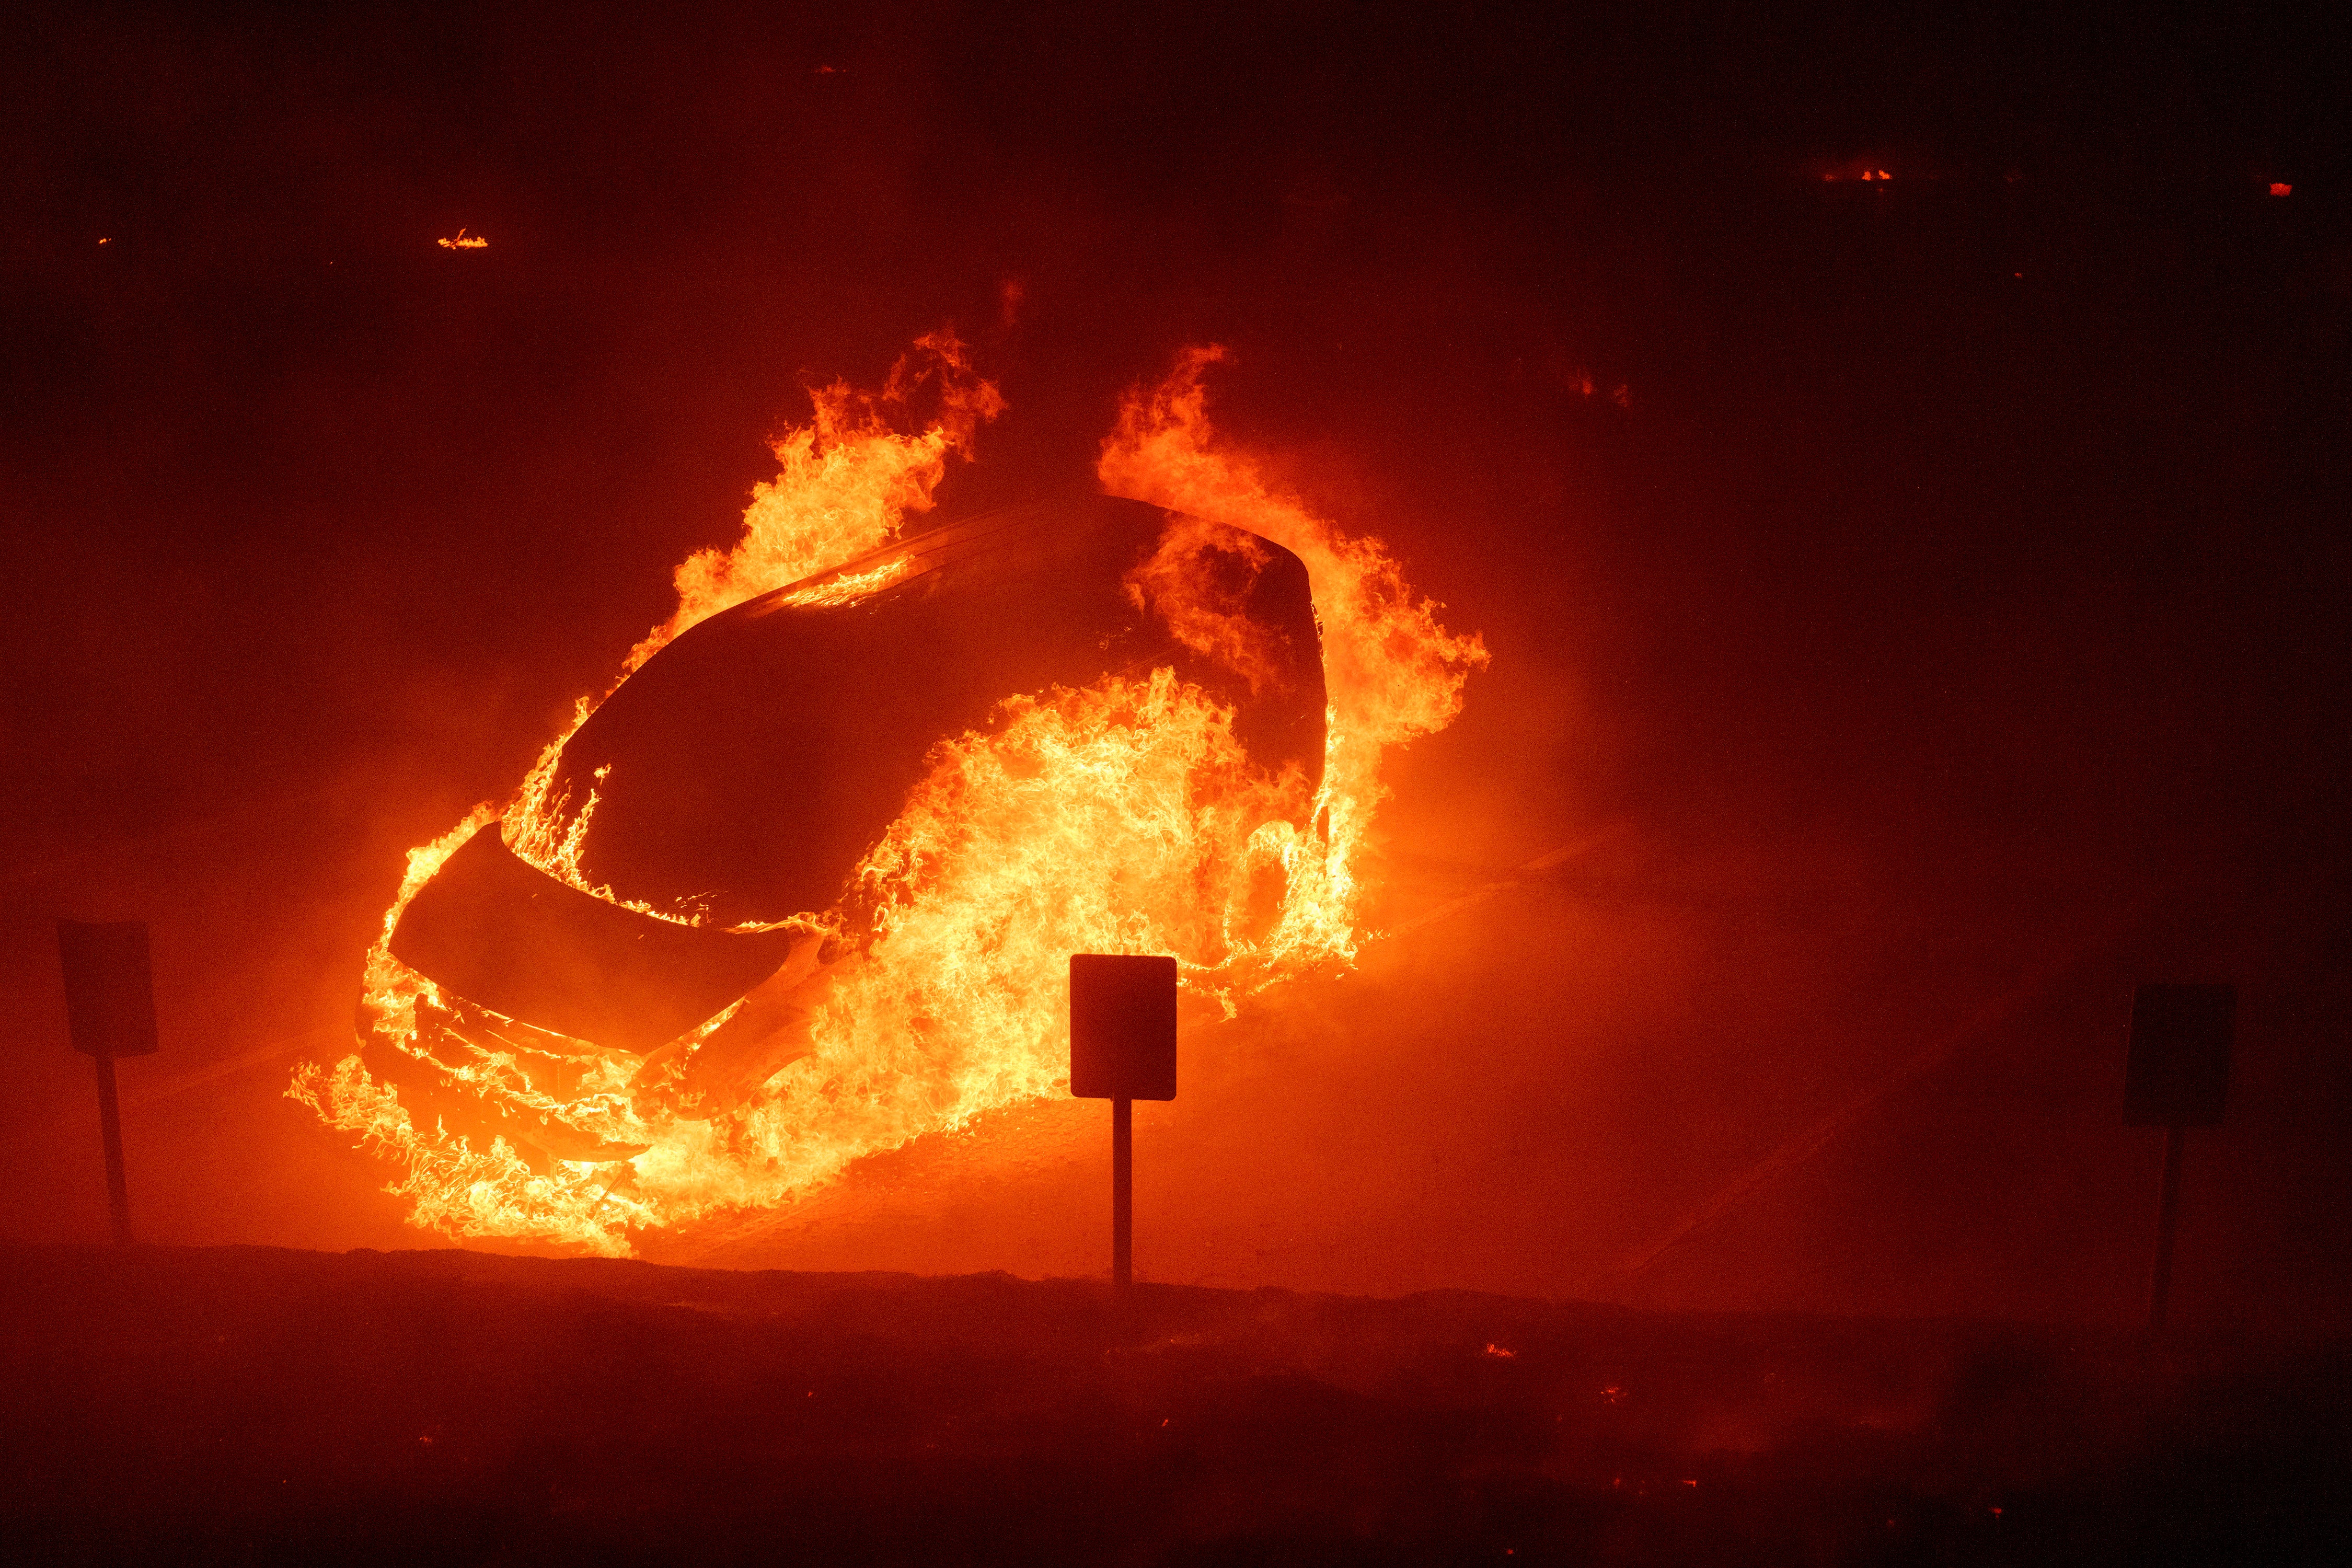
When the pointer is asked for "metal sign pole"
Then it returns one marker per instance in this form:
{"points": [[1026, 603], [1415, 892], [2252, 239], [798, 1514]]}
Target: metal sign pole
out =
{"points": [[109, 1124], [1122, 1196], [2167, 1220]]}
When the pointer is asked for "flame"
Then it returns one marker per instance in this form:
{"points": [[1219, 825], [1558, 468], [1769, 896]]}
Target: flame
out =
{"points": [[1393, 672], [847, 483], [1123, 816], [464, 242], [848, 480], [848, 587], [1203, 613]]}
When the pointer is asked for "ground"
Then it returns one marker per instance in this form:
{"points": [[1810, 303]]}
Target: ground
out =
{"points": [[200, 1405]]}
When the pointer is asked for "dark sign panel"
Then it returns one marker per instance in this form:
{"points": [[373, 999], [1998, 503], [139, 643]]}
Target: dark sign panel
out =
{"points": [[109, 994], [2178, 1072], [1122, 1028]]}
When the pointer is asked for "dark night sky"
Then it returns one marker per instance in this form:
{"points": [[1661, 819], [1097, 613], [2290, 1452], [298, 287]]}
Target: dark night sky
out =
{"points": [[1952, 602]]}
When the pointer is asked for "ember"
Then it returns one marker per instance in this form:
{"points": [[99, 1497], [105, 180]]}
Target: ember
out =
{"points": [[800, 888]]}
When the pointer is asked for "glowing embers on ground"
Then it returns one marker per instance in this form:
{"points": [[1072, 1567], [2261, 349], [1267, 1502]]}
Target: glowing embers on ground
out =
{"points": [[464, 241], [1204, 793]]}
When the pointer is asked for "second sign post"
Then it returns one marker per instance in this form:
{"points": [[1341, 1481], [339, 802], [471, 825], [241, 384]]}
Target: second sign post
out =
{"points": [[1122, 1049]]}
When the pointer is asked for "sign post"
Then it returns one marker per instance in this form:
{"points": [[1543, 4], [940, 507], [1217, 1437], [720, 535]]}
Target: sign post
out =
{"points": [[2175, 1076], [1122, 1049], [110, 1012]]}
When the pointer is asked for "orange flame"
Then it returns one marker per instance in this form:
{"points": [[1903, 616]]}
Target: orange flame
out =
{"points": [[847, 483], [848, 480], [1120, 817], [464, 242], [1392, 671]]}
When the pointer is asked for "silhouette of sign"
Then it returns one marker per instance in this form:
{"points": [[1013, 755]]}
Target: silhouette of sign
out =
{"points": [[2176, 1076], [2178, 1070], [110, 988], [1122, 1028], [1122, 1049], [109, 1012]]}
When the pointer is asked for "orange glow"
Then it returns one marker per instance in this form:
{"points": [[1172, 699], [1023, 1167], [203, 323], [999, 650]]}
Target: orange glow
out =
{"points": [[847, 483], [2281, 188], [1394, 673], [1120, 817], [1855, 169], [464, 242]]}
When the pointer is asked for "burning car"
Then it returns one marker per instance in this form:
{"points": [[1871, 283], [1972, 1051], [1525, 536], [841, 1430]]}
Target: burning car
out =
{"points": [[802, 887], [720, 801]]}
